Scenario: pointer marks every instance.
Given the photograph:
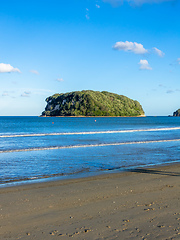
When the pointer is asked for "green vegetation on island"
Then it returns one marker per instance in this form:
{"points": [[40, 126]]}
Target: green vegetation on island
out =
{"points": [[177, 113], [91, 103]]}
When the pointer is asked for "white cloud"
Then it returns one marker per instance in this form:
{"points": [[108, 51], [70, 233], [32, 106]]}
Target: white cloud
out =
{"points": [[26, 94], [178, 60], [134, 47], [97, 6], [144, 65], [158, 52], [135, 2], [7, 68], [60, 79], [34, 71]]}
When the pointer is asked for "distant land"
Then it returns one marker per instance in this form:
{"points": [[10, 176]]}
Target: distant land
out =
{"points": [[176, 113], [91, 103]]}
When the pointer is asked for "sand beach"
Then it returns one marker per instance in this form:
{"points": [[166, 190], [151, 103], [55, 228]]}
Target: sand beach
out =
{"points": [[141, 204]]}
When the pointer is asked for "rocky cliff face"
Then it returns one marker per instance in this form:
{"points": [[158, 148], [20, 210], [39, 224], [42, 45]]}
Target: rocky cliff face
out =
{"points": [[91, 103], [177, 113]]}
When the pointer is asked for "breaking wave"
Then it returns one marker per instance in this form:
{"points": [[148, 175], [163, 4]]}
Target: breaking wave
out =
{"points": [[87, 145], [86, 133]]}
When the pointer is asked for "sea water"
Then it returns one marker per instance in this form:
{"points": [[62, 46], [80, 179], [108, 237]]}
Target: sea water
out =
{"points": [[37, 148]]}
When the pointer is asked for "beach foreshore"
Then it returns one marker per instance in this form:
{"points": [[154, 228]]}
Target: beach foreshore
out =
{"points": [[143, 203]]}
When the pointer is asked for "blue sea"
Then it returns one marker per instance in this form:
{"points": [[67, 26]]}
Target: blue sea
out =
{"points": [[34, 149]]}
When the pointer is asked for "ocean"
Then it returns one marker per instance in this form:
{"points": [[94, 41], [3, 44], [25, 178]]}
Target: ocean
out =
{"points": [[35, 149]]}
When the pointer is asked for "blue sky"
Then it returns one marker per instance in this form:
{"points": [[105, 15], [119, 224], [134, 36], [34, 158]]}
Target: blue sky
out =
{"points": [[129, 47]]}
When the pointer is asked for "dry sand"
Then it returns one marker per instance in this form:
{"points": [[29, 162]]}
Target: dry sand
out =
{"points": [[143, 204]]}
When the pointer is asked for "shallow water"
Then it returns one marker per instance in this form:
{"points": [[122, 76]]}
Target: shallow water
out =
{"points": [[39, 148]]}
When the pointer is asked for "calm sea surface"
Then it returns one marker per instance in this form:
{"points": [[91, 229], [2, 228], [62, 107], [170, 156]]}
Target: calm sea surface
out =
{"points": [[34, 148]]}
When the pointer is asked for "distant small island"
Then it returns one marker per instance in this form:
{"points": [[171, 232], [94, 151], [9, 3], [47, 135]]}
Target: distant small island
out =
{"points": [[91, 103], [176, 113]]}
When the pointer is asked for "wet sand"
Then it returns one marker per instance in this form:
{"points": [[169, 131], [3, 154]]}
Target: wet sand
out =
{"points": [[142, 204]]}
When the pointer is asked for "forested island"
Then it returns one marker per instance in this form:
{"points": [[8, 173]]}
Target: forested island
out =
{"points": [[91, 103]]}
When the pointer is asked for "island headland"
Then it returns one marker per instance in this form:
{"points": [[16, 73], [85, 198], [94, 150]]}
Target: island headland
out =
{"points": [[176, 113], [91, 103]]}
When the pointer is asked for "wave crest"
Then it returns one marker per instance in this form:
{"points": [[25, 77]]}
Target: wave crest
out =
{"points": [[86, 133], [87, 145]]}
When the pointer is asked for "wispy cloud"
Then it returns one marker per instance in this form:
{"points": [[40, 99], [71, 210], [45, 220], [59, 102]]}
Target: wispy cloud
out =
{"points": [[5, 94], [172, 91], [116, 3], [87, 14], [41, 91], [98, 6], [140, 2], [37, 91], [7, 68], [26, 94], [175, 63], [169, 91], [161, 86], [134, 47], [8, 93], [60, 79], [144, 65], [158, 52], [14, 82], [34, 71]]}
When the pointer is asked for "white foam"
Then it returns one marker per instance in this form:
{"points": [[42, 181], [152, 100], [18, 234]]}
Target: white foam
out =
{"points": [[88, 145], [86, 133]]}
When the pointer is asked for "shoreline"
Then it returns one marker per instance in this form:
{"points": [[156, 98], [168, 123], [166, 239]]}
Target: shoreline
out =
{"points": [[82, 175], [93, 116], [138, 204]]}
